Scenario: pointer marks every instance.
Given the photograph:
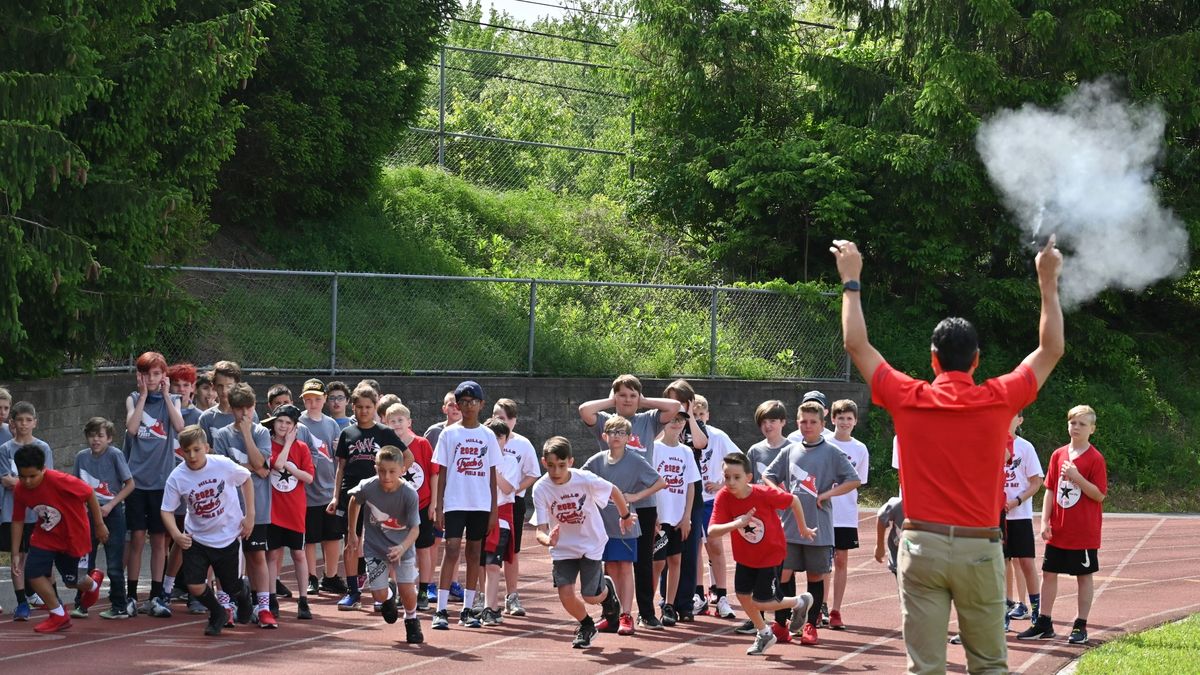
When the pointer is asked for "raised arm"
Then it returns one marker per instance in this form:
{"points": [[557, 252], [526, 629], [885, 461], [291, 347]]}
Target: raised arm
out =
{"points": [[1051, 342], [854, 326], [588, 409]]}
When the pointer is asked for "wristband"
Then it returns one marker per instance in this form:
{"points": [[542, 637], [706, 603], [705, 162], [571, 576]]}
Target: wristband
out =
{"points": [[627, 516]]}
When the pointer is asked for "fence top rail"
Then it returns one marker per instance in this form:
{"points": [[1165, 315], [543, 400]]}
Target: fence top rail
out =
{"points": [[438, 277], [531, 57]]}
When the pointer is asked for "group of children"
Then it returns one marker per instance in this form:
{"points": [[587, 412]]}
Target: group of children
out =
{"points": [[222, 494]]}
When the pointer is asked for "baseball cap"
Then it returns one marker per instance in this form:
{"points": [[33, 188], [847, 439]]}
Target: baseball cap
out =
{"points": [[285, 410], [469, 388], [314, 387], [817, 396]]}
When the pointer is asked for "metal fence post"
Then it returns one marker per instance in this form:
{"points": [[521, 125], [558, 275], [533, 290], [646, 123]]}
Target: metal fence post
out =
{"points": [[442, 109], [532, 320], [712, 337], [333, 326]]}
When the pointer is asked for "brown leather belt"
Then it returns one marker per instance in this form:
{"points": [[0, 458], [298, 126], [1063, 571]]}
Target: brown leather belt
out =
{"points": [[992, 533]]}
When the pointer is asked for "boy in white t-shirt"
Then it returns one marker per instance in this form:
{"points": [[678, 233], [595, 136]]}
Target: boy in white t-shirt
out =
{"points": [[845, 507], [711, 459], [467, 454], [674, 464], [498, 547], [1022, 480], [526, 456], [567, 505], [215, 523]]}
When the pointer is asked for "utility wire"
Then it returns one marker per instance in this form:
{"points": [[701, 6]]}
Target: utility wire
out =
{"points": [[572, 9], [543, 84], [535, 32]]}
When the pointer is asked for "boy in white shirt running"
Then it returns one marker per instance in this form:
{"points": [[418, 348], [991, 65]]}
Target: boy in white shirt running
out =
{"points": [[567, 505]]}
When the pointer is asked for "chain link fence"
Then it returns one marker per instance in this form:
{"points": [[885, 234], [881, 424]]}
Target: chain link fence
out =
{"points": [[326, 322], [514, 121]]}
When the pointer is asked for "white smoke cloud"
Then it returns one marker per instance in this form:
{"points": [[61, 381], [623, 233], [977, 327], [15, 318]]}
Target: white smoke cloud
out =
{"points": [[1083, 171]]}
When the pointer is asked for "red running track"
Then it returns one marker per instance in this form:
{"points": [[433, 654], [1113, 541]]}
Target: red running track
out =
{"points": [[1148, 576]]}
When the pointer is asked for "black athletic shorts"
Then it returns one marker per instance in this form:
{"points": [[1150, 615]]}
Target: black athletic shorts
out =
{"points": [[320, 526], [519, 511], [1018, 539], [1075, 562], [760, 583], [845, 538], [224, 562], [669, 543], [6, 537], [474, 523], [143, 511], [258, 539], [496, 558], [282, 537], [425, 538]]}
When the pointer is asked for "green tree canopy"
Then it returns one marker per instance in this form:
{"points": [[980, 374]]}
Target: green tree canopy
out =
{"points": [[114, 119]]}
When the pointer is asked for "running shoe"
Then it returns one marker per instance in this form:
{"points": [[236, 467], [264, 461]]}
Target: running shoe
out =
{"points": [[584, 634], [266, 619], [762, 642], [625, 624], [723, 609], [412, 631], [512, 605], [1042, 630], [649, 621], [159, 608], [441, 620], [808, 635], [467, 618], [836, 623], [53, 624], [351, 602]]}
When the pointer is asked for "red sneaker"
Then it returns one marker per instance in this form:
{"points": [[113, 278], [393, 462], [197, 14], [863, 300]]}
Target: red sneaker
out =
{"points": [[88, 599], [835, 620], [53, 624], [625, 625], [782, 636], [808, 635], [266, 619]]}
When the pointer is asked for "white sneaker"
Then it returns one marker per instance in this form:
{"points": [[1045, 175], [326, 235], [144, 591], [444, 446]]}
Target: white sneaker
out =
{"points": [[723, 609], [35, 600], [699, 604], [512, 605]]}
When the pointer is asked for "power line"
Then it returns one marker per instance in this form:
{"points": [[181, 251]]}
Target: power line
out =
{"points": [[572, 9], [535, 32], [543, 84]]}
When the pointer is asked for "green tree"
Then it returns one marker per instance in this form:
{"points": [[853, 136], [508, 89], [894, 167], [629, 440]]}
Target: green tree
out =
{"points": [[339, 83], [113, 121]]}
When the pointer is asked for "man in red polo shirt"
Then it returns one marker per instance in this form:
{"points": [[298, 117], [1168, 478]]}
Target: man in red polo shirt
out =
{"points": [[952, 436]]}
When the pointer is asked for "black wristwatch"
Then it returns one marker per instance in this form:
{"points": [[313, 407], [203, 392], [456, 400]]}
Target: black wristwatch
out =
{"points": [[627, 516], [852, 285]]}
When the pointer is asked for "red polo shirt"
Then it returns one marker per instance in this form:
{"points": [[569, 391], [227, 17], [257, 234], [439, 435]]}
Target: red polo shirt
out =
{"points": [[952, 436]]}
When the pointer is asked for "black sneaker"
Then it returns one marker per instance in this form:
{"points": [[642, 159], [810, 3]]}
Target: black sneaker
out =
{"points": [[649, 621], [1042, 630], [686, 617], [612, 604], [389, 611], [245, 606], [584, 634], [302, 611], [335, 585], [281, 590], [467, 618], [216, 620], [423, 599], [314, 585], [441, 620], [1078, 636], [412, 631], [747, 628], [824, 616], [670, 617]]}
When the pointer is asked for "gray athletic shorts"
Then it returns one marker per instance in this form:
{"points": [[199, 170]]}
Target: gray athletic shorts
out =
{"points": [[377, 572], [811, 559], [589, 572]]}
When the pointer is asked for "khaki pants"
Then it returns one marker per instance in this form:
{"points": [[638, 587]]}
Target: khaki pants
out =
{"points": [[936, 569]]}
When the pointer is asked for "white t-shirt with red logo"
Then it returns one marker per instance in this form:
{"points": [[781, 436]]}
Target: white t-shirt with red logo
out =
{"points": [[467, 457], [1023, 466], [711, 458], [510, 469], [214, 514], [574, 507], [845, 507], [678, 468], [522, 450]]}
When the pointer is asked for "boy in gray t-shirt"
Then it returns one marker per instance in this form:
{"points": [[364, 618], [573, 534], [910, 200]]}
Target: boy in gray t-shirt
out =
{"points": [[391, 524], [889, 523], [810, 470], [103, 468]]}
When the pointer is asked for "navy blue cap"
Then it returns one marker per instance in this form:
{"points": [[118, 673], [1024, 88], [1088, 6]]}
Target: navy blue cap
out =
{"points": [[469, 388], [817, 396]]}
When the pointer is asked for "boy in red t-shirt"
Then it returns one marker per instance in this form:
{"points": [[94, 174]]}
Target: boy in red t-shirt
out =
{"points": [[422, 475], [61, 537], [291, 469], [759, 548], [1076, 485]]}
